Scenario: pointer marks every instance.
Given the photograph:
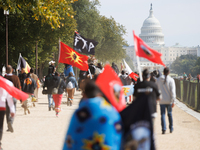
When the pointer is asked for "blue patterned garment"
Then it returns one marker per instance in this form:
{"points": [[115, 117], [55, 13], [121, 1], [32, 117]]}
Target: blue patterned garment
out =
{"points": [[95, 125]]}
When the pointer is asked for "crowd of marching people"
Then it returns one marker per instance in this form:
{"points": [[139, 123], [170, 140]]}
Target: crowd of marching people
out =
{"points": [[116, 111]]}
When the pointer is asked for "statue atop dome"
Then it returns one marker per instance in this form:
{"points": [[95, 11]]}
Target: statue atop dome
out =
{"points": [[151, 7]]}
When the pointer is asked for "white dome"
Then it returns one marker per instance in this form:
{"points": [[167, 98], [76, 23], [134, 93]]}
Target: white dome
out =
{"points": [[151, 31]]}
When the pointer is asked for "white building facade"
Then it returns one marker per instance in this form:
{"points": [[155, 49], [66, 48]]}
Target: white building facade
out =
{"points": [[151, 34]]}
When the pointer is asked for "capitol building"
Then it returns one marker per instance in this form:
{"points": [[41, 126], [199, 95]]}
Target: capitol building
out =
{"points": [[151, 34]]}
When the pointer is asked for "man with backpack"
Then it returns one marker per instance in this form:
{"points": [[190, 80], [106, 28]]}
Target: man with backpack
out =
{"points": [[71, 85]]}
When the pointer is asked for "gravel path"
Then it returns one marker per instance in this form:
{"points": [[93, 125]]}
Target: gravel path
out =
{"points": [[42, 130]]}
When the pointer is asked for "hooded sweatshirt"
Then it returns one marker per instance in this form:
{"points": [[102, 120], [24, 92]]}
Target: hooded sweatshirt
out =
{"points": [[168, 89]]}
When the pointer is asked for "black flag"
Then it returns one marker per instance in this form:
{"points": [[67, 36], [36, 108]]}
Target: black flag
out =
{"points": [[84, 45]]}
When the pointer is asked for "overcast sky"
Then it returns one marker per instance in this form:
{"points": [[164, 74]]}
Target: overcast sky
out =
{"points": [[179, 19]]}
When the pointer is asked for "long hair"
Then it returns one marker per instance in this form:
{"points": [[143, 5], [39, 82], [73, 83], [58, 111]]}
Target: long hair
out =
{"points": [[166, 72]]}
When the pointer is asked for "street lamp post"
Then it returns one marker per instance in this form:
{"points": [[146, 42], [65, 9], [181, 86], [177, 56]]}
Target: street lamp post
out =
{"points": [[6, 13]]}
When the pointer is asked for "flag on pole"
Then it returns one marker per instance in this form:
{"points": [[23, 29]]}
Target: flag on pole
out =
{"points": [[69, 56], [23, 64], [142, 50], [84, 45], [130, 72], [13, 91], [111, 86]]}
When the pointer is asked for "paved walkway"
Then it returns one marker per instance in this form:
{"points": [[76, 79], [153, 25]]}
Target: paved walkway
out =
{"points": [[42, 130]]}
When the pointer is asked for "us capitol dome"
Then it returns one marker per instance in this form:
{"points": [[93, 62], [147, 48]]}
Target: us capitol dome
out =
{"points": [[151, 31], [151, 34]]}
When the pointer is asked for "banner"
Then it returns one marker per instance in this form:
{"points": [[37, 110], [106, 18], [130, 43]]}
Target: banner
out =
{"points": [[142, 50], [69, 56], [84, 45]]}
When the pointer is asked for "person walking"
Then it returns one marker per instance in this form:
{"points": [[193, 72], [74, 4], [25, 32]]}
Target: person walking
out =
{"points": [[99, 69], [150, 88], [48, 83], [71, 85], [52, 68], [4, 96], [168, 90], [15, 80], [124, 78], [68, 69], [28, 87], [114, 66], [35, 77], [58, 83], [22, 76]]}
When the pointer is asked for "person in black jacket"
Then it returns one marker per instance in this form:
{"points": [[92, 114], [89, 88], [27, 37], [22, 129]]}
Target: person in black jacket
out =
{"points": [[22, 76], [48, 83], [28, 87], [58, 83], [147, 87]]}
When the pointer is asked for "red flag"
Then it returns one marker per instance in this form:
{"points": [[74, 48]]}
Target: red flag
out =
{"points": [[111, 85], [69, 56], [142, 50], [130, 72], [16, 93]]}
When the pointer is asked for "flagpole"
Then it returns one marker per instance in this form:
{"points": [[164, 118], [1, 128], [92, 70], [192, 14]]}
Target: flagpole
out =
{"points": [[137, 58], [139, 68], [18, 63], [90, 74]]}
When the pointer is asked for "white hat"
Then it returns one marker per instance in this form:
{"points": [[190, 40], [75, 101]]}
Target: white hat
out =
{"points": [[51, 62]]}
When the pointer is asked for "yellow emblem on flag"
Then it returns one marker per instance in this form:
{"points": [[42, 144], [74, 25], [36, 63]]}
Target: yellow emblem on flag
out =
{"points": [[74, 57]]}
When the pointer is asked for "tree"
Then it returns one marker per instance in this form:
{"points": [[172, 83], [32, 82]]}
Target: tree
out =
{"points": [[25, 30], [184, 63], [48, 11], [106, 31]]}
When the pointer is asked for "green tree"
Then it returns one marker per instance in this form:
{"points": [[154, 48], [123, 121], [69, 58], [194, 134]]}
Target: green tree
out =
{"points": [[25, 30], [48, 11], [184, 63], [106, 31]]}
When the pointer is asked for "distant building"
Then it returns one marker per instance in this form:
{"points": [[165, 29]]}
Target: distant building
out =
{"points": [[151, 34]]}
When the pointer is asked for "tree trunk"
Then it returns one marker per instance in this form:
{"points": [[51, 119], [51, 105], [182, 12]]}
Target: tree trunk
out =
{"points": [[41, 70]]}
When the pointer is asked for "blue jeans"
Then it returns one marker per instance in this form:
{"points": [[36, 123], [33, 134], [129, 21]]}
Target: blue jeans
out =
{"points": [[169, 113], [49, 100]]}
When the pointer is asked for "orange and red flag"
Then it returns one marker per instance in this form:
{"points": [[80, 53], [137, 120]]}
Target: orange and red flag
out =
{"points": [[69, 56], [142, 50]]}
